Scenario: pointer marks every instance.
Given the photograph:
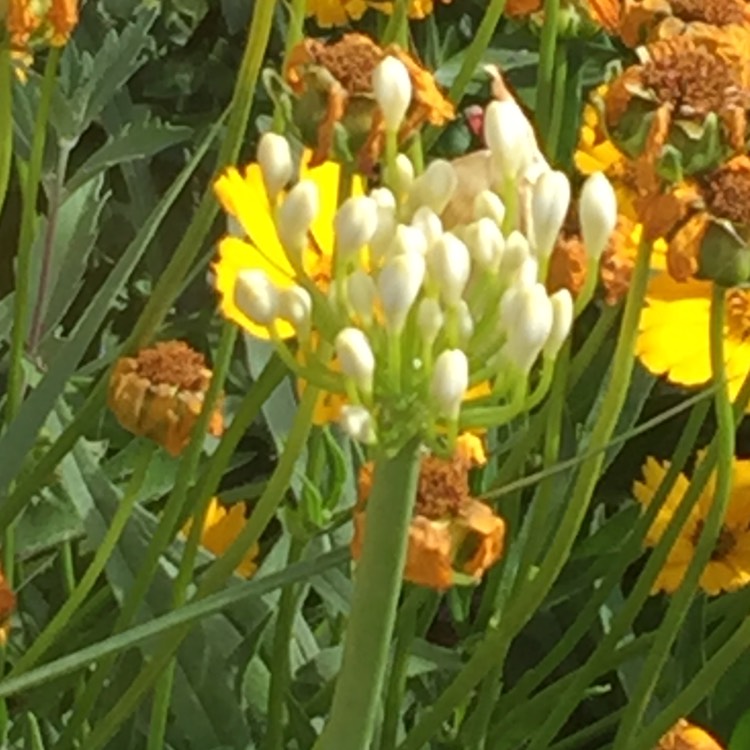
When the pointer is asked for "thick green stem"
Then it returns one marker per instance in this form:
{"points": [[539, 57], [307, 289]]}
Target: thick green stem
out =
{"points": [[280, 666], [6, 120], [683, 597], [356, 699], [107, 546], [547, 55], [496, 641], [554, 130]]}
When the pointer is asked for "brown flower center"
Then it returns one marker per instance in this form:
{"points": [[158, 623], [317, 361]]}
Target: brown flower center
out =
{"points": [[173, 363], [443, 487], [715, 12], [724, 544], [351, 61], [738, 313], [692, 79], [727, 191]]}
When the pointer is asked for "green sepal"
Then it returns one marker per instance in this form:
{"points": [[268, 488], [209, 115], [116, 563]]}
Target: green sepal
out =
{"points": [[724, 256]]}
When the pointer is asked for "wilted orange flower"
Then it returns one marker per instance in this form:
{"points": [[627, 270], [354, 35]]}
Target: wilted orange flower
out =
{"points": [[333, 83], [30, 21], [686, 736], [451, 532], [7, 608], [418, 9], [649, 20], [221, 527], [604, 13], [159, 394]]}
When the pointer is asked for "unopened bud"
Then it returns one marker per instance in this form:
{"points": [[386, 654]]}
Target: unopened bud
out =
{"points": [[549, 206], [430, 319], [296, 215], [355, 224], [356, 358], [486, 244], [436, 186], [489, 205], [562, 321], [515, 253], [392, 88], [450, 381], [429, 222], [408, 239], [528, 325], [404, 173], [450, 266], [509, 136], [398, 286], [256, 296], [465, 322], [381, 240], [598, 214], [357, 422], [360, 292], [275, 160], [295, 306]]}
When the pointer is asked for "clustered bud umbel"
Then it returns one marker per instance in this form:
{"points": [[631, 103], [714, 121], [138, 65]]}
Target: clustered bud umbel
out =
{"points": [[423, 330]]}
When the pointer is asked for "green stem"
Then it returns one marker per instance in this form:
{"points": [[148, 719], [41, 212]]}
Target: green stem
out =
{"points": [[294, 34], [558, 101], [547, 56], [217, 574], [6, 120], [496, 641], [397, 30], [681, 600], [356, 698], [280, 664]]}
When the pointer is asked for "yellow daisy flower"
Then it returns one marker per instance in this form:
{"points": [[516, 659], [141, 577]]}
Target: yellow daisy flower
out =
{"points": [[335, 12], [221, 527], [687, 736], [729, 567], [243, 196], [673, 332]]}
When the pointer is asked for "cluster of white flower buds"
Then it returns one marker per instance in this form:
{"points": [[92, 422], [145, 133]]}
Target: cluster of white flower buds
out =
{"points": [[430, 329]]}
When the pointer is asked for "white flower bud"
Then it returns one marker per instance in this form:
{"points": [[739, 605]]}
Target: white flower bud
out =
{"points": [[435, 186], [256, 296], [465, 322], [408, 239], [527, 273], [392, 88], [430, 319], [383, 197], [515, 253], [562, 321], [355, 224], [381, 240], [486, 244], [358, 424], [528, 325], [275, 160], [360, 292], [404, 173], [356, 358], [489, 205], [549, 206], [296, 215], [597, 210], [509, 136], [429, 222], [450, 266], [295, 306], [450, 381], [398, 286]]}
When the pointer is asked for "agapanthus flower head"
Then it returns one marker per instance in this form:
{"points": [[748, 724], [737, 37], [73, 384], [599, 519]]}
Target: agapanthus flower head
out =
{"points": [[32, 23], [645, 21], [335, 93], [453, 537], [423, 327], [221, 526], [729, 566], [159, 394], [687, 736]]}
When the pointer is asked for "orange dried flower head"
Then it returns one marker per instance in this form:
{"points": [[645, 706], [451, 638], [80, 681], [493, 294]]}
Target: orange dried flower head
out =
{"points": [[451, 532], [687, 736], [159, 394], [333, 85], [39, 21], [646, 21], [7, 608], [567, 264], [576, 16]]}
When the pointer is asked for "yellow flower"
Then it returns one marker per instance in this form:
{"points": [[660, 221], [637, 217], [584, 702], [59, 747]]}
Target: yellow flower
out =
{"points": [[451, 532], [686, 736], [221, 527], [673, 308], [729, 567], [418, 9], [159, 394], [243, 196], [335, 12]]}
